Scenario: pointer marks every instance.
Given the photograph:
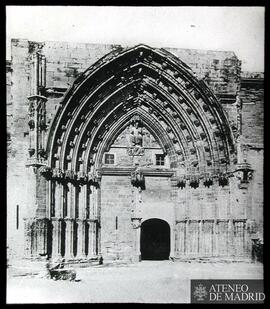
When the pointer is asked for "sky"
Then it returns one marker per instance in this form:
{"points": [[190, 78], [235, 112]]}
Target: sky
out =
{"points": [[238, 29]]}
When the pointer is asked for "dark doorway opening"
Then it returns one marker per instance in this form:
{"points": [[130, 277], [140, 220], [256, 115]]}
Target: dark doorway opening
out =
{"points": [[155, 240]]}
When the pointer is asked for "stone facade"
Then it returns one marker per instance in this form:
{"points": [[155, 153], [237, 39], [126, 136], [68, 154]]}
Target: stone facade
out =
{"points": [[102, 139]]}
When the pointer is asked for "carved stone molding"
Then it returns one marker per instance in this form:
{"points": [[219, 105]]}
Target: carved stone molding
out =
{"points": [[136, 223], [57, 173], [78, 178], [243, 173], [127, 171], [223, 180], [181, 181], [42, 153], [37, 126], [208, 181], [31, 151], [82, 177], [46, 171], [194, 181], [135, 151], [70, 175], [137, 178]]}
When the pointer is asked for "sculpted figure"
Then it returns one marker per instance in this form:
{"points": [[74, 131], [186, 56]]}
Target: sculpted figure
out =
{"points": [[136, 134], [136, 138]]}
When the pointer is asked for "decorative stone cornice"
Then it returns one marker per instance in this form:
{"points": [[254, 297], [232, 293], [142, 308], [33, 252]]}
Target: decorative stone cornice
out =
{"points": [[34, 162], [137, 176], [125, 171], [60, 175], [195, 180]]}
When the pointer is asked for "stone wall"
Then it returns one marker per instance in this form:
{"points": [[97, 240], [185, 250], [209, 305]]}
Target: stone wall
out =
{"points": [[116, 229], [252, 95], [220, 69], [17, 124]]}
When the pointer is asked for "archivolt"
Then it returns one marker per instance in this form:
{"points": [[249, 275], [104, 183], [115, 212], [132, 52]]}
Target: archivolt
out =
{"points": [[180, 111]]}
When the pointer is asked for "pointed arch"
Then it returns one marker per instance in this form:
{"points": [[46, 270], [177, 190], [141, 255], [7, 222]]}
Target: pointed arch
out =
{"points": [[178, 109]]}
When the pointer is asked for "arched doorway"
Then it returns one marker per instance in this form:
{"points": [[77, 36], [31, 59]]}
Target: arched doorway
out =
{"points": [[172, 105], [155, 240]]}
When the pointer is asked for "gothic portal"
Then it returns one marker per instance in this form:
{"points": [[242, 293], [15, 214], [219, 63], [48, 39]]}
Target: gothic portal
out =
{"points": [[137, 144]]}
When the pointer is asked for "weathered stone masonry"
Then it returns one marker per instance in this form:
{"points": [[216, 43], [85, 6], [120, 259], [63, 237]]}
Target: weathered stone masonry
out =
{"points": [[103, 138]]}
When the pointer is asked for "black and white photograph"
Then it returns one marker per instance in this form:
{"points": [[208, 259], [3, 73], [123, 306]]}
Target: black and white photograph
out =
{"points": [[135, 154]]}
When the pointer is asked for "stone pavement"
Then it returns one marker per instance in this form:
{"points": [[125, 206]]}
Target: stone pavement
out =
{"points": [[144, 282]]}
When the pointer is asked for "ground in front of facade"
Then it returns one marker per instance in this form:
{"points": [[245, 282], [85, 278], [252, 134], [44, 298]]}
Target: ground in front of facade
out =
{"points": [[144, 282]]}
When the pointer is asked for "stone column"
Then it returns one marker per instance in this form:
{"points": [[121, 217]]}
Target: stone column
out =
{"points": [[91, 239], [56, 238], [136, 224], [82, 202], [81, 239], [187, 238], [231, 249], [201, 238], [97, 231], [215, 238], [172, 240], [70, 208], [92, 206], [69, 238], [58, 200]]}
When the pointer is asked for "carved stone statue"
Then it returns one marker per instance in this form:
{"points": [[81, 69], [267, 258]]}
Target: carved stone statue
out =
{"points": [[136, 134], [136, 138]]}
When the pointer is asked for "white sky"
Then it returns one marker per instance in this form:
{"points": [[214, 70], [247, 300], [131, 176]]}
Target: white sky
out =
{"points": [[240, 29]]}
